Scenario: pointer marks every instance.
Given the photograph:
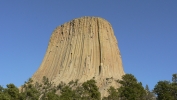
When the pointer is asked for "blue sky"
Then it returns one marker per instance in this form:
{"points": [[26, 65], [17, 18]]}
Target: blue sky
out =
{"points": [[146, 31]]}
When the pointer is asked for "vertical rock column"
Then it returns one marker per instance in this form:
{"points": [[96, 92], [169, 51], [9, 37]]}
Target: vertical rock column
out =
{"points": [[81, 49]]}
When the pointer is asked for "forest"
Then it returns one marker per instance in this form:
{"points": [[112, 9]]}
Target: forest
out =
{"points": [[130, 89]]}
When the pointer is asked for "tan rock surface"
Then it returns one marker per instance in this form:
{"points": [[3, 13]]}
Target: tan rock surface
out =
{"points": [[83, 49]]}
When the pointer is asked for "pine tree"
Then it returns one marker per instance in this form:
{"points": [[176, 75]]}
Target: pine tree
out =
{"points": [[174, 78], [130, 88], [113, 94], [91, 90], [166, 90], [149, 95]]}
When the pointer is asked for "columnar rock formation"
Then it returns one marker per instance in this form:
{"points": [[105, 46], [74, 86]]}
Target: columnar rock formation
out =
{"points": [[82, 49]]}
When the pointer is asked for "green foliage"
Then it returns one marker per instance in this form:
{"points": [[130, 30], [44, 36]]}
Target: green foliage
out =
{"points": [[12, 91], [113, 94], [45, 80], [166, 90], [4, 96], [79, 91], [67, 93], [1, 89], [149, 95], [91, 90], [87, 91], [9, 93], [61, 85], [29, 91], [52, 96], [131, 89], [174, 78]]}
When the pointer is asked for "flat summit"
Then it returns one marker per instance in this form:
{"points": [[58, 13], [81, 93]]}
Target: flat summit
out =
{"points": [[83, 49]]}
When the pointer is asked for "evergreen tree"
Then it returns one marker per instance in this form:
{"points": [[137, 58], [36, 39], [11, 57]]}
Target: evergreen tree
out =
{"points": [[29, 91], [1, 89], [149, 95], [3, 96], [52, 96], [131, 89], [91, 91], [166, 90], [163, 90], [174, 78], [113, 94], [12, 91], [67, 93]]}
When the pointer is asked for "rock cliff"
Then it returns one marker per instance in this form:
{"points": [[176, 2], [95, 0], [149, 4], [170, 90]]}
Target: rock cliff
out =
{"points": [[82, 49]]}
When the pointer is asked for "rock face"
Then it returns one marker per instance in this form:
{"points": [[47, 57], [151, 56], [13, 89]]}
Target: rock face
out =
{"points": [[83, 49]]}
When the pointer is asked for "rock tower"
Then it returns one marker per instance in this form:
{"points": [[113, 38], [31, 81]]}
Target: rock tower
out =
{"points": [[83, 49]]}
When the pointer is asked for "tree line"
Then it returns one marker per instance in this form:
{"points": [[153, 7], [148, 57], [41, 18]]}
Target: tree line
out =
{"points": [[130, 89]]}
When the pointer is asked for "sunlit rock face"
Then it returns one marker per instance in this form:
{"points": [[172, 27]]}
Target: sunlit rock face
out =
{"points": [[83, 49]]}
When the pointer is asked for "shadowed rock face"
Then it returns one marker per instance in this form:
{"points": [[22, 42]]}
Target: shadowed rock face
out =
{"points": [[83, 49]]}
